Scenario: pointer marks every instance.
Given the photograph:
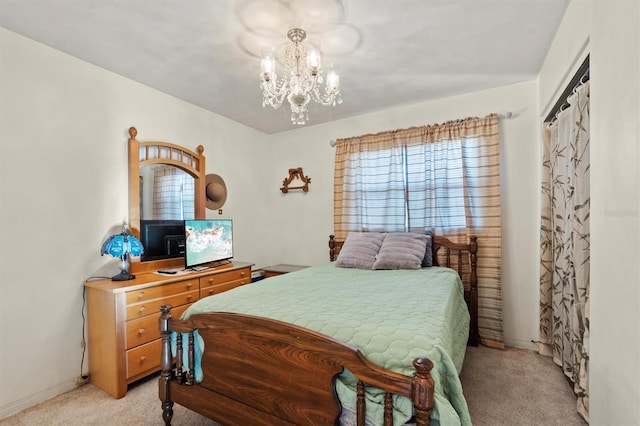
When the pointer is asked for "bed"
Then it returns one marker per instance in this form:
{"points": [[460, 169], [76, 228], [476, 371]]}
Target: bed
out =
{"points": [[305, 348]]}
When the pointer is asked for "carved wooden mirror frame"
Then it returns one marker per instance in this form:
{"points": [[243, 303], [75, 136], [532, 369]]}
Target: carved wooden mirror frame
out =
{"points": [[155, 152]]}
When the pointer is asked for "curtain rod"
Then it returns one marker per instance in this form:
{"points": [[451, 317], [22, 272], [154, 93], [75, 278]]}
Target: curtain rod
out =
{"points": [[561, 103], [504, 116]]}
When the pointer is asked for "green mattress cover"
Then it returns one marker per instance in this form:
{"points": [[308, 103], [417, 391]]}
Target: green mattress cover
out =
{"points": [[392, 316]]}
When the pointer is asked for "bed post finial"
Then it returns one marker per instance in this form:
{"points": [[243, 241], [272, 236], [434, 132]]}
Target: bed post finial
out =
{"points": [[422, 391], [332, 247], [133, 132], [474, 332], [166, 362]]}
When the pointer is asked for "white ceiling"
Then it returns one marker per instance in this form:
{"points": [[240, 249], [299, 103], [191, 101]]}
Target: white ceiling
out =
{"points": [[388, 53]]}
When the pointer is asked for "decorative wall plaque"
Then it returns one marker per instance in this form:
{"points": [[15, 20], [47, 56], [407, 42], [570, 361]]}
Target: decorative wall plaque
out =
{"points": [[293, 175]]}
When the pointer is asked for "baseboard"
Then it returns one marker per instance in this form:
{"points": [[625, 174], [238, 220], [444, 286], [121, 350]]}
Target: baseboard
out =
{"points": [[36, 398], [521, 344]]}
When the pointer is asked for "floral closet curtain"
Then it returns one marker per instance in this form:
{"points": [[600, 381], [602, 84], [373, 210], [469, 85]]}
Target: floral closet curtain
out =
{"points": [[565, 244], [444, 177]]}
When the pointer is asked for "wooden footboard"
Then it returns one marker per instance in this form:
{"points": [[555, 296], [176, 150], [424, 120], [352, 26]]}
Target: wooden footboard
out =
{"points": [[265, 372]]}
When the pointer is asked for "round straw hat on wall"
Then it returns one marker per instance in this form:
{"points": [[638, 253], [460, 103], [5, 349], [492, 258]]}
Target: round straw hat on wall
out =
{"points": [[216, 192]]}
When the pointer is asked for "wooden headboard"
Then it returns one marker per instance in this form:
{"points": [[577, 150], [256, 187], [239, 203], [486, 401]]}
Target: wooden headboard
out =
{"points": [[466, 265]]}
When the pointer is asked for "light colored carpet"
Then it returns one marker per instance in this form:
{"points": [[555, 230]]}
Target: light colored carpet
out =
{"points": [[502, 387], [517, 387]]}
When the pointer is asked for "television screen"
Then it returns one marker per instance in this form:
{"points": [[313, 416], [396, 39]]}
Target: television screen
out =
{"points": [[207, 241], [162, 239]]}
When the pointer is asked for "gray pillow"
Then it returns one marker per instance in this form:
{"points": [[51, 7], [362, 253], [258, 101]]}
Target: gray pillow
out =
{"points": [[359, 250], [428, 253], [401, 250]]}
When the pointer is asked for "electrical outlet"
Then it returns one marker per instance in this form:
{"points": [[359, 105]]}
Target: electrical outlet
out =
{"points": [[83, 380]]}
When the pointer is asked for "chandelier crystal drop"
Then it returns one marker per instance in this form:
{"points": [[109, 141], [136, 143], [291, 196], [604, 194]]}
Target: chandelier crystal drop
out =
{"points": [[301, 81]]}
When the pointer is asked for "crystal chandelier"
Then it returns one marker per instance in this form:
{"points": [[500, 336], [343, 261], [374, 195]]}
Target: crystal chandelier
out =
{"points": [[302, 79]]}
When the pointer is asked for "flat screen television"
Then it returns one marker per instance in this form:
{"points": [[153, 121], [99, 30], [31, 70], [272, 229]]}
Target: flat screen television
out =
{"points": [[208, 242], [162, 239]]}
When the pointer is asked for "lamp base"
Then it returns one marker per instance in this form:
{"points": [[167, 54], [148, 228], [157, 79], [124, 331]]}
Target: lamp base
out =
{"points": [[123, 276]]}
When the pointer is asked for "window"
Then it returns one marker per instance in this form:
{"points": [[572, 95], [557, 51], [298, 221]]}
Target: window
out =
{"points": [[413, 187], [435, 186]]}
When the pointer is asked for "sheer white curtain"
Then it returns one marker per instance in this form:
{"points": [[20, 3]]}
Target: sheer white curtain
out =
{"points": [[565, 244], [173, 194]]}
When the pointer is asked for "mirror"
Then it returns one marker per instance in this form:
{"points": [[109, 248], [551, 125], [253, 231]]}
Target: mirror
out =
{"points": [[166, 193], [144, 159]]}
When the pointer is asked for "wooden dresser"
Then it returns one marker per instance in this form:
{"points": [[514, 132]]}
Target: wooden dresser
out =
{"points": [[123, 337]]}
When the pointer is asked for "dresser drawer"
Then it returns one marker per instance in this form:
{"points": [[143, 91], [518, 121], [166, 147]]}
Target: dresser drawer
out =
{"points": [[225, 277], [145, 329], [153, 306], [143, 358], [123, 338], [220, 288], [155, 292]]}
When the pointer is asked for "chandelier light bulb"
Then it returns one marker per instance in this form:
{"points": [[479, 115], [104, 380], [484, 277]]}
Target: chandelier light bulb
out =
{"points": [[333, 80], [313, 61], [301, 80], [268, 65]]}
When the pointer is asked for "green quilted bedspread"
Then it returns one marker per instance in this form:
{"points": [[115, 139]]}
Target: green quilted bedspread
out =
{"points": [[392, 316]]}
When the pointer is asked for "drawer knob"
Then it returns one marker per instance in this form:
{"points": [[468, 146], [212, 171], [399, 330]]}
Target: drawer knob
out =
{"points": [[189, 285], [141, 331], [210, 280], [141, 295], [141, 310], [242, 273], [189, 297], [143, 359], [210, 291]]}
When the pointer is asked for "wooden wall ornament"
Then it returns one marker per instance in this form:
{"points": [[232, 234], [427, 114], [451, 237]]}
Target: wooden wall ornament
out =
{"points": [[295, 174]]}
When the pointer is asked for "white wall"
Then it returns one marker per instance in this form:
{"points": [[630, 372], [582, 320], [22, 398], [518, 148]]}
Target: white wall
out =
{"points": [[615, 213], [307, 219], [63, 130], [569, 49], [609, 31]]}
